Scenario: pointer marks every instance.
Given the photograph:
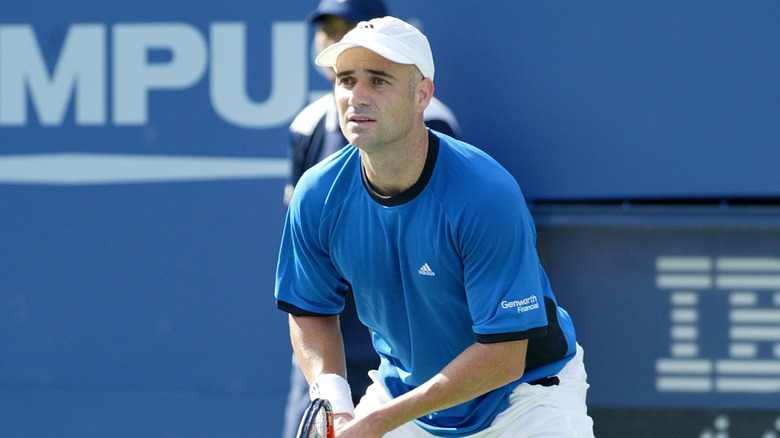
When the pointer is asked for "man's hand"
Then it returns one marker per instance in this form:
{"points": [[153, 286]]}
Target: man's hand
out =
{"points": [[341, 420]]}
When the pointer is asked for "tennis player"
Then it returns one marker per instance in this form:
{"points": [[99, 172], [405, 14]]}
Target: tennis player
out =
{"points": [[438, 246], [315, 134]]}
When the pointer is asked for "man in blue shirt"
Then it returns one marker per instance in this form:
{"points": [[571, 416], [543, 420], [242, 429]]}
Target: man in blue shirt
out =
{"points": [[435, 240], [314, 135]]}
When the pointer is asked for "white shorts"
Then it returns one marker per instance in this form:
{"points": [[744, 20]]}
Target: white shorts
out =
{"points": [[534, 411]]}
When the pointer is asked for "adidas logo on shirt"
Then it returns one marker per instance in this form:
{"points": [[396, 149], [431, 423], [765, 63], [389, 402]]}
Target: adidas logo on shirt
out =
{"points": [[426, 270]]}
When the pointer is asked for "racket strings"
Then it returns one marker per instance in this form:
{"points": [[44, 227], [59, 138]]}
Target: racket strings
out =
{"points": [[317, 421], [320, 426]]}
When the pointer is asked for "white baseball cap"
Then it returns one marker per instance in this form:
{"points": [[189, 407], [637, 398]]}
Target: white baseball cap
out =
{"points": [[389, 38]]}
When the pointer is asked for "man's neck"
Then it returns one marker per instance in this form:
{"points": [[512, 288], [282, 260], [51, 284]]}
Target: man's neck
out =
{"points": [[396, 169]]}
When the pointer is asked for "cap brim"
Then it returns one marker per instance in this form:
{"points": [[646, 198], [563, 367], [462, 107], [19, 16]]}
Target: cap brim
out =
{"points": [[329, 56], [314, 17]]}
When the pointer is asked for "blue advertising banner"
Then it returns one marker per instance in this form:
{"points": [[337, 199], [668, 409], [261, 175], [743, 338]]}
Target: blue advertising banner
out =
{"points": [[599, 100]]}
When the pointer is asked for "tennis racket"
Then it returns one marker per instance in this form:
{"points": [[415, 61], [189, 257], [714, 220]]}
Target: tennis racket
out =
{"points": [[317, 421]]}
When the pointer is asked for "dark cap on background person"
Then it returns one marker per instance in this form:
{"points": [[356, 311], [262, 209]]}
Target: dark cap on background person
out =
{"points": [[353, 11]]}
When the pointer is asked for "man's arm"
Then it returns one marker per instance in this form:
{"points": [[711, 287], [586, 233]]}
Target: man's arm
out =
{"points": [[479, 369], [318, 344]]}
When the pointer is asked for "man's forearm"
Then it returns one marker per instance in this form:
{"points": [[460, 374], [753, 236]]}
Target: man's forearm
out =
{"points": [[318, 344], [479, 369]]}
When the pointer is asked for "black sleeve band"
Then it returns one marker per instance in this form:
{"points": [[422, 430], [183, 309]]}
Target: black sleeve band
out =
{"points": [[513, 336], [296, 311]]}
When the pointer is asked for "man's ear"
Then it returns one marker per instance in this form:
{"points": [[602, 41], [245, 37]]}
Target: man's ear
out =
{"points": [[424, 93]]}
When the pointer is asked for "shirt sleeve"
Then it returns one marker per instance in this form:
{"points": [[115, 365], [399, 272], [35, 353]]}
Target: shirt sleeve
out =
{"points": [[505, 284], [307, 282]]}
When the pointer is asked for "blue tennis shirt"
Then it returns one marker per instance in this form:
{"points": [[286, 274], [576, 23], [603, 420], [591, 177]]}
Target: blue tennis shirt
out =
{"points": [[449, 262]]}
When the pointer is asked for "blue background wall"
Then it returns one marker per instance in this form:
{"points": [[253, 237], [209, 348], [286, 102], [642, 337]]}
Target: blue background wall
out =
{"points": [[136, 298]]}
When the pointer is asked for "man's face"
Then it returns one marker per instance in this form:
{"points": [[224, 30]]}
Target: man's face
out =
{"points": [[376, 98]]}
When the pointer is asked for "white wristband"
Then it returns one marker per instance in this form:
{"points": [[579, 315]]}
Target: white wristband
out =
{"points": [[336, 390]]}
